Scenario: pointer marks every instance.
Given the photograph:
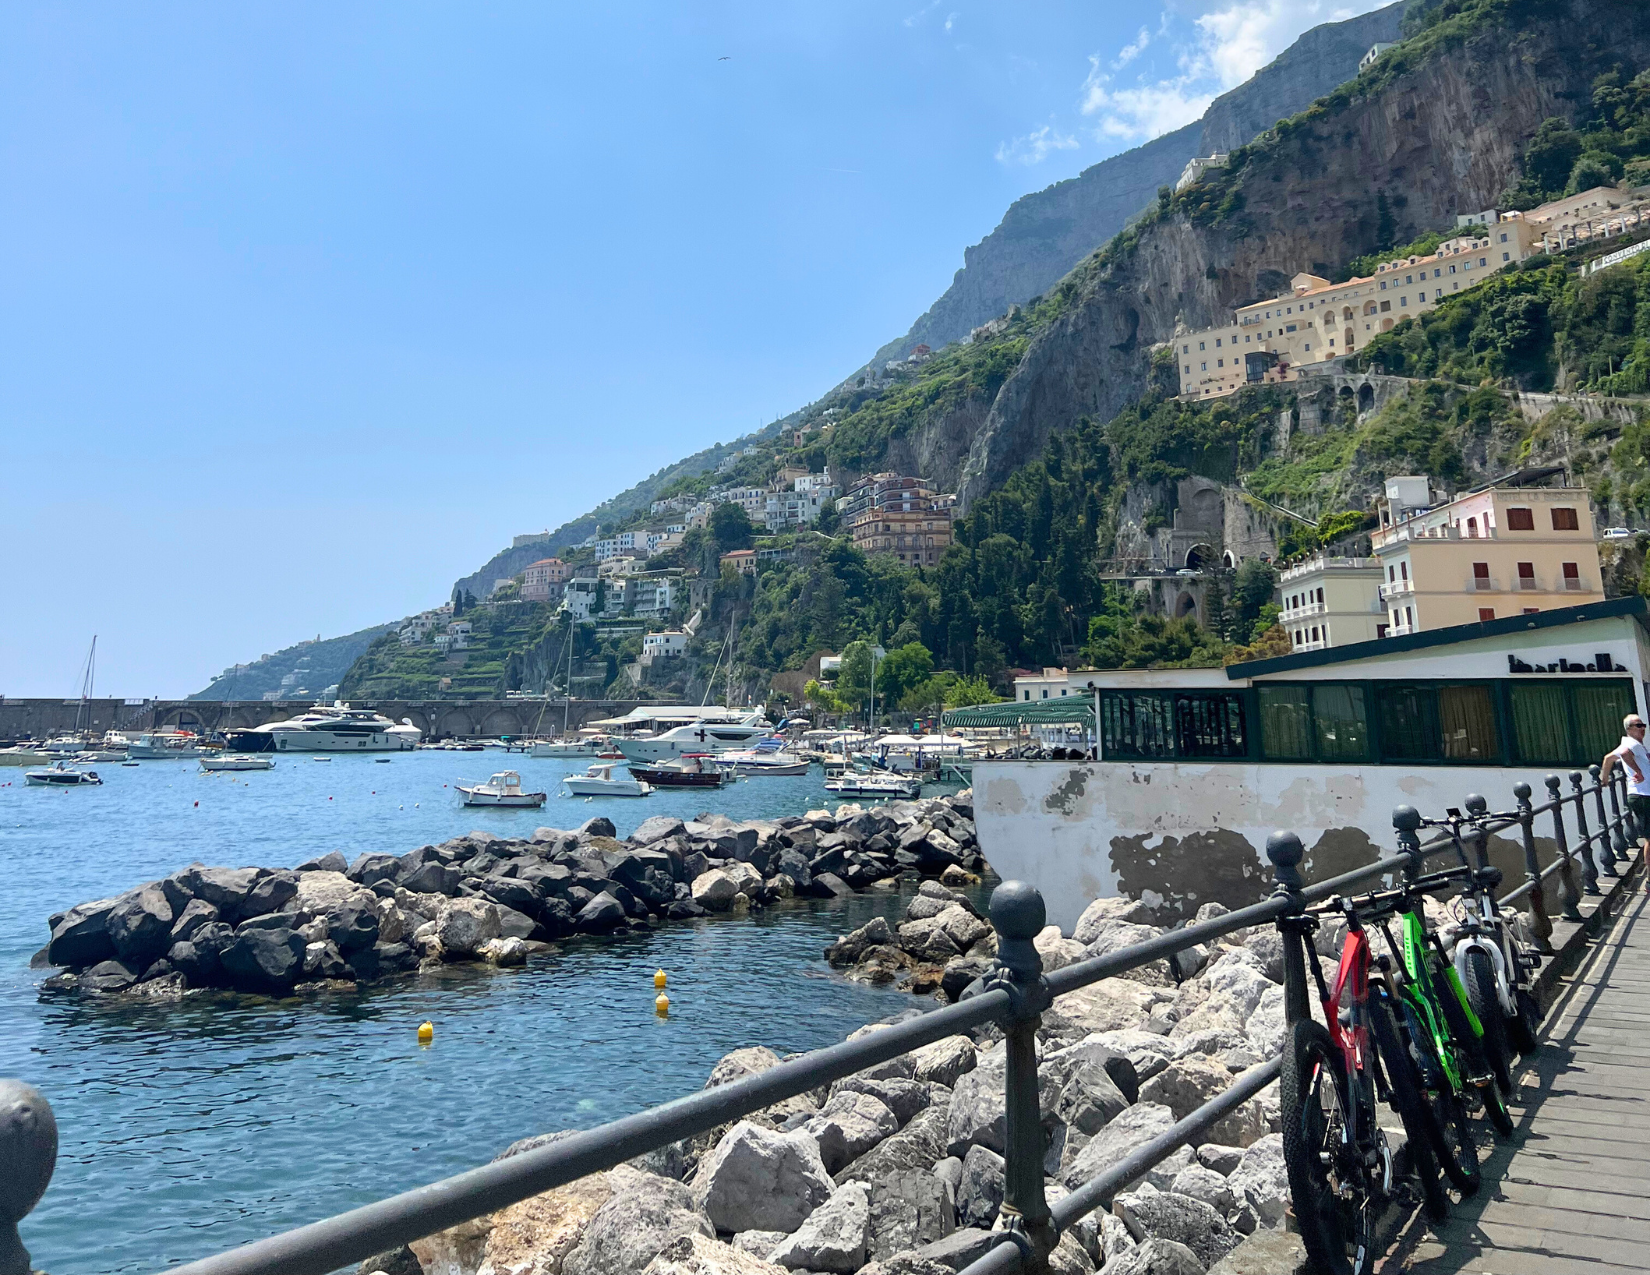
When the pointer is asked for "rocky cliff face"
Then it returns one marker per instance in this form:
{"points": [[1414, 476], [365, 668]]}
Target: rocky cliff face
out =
{"points": [[1442, 136], [1044, 235]]}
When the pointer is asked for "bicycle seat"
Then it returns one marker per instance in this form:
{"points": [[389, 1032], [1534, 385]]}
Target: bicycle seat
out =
{"points": [[1489, 877]]}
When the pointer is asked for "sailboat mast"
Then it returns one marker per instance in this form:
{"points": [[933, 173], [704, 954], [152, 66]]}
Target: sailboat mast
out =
{"points": [[87, 683]]}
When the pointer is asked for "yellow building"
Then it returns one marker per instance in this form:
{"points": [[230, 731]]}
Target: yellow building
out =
{"points": [[1331, 601]]}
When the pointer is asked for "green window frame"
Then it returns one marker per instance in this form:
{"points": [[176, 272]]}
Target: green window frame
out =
{"points": [[1174, 725]]}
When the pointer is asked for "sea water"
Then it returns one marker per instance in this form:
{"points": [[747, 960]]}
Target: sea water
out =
{"points": [[189, 1127]]}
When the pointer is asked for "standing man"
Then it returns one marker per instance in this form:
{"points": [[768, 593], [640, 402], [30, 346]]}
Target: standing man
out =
{"points": [[1632, 754]]}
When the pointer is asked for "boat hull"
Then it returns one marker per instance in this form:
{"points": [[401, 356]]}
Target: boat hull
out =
{"points": [[59, 778], [319, 741], [237, 763], [567, 750], [885, 788], [748, 768], [524, 800], [606, 788], [665, 778]]}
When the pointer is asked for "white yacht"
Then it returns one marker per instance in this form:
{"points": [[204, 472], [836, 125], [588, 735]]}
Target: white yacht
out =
{"points": [[339, 729], [166, 744], [691, 730], [598, 781], [238, 761]]}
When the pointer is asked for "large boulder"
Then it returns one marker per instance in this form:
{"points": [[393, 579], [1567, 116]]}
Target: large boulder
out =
{"points": [[980, 1190], [714, 890], [1186, 1084], [140, 926], [372, 867], [1112, 1004], [1261, 1180], [945, 1061], [749, 1061], [535, 1235], [644, 1214], [1240, 979], [108, 976], [1264, 1253], [848, 1126], [1155, 1257], [964, 928], [850, 947], [905, 1098], [1102, 911], [226, 889], [656, 828], [1130, 1130], [599, 915], [431, 877], [1056, 949], [916, 1147], [196, 913], [80, 936], [353, 925], [695, 1255], [928, 940], [1266, 1023], [834, 1237], [262, 960], [757, 1179], [464, 925], [320, 891], [271, 892], [909, 1209], [1163, 1215]]}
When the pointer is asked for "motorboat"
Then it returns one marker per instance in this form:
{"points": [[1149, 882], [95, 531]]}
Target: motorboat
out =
{"points": [[65, 745], [24, 755], [165, 745], [696, 770], [720, 730], [598, 781], [503, 789], [553, 748], [766, 757], [61, 775], [338, 729], [238, 761], [853, 784], [92, 756]]}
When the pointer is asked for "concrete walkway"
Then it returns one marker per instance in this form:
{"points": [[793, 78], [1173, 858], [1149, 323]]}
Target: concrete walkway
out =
{"points": [[1570, 1193]]}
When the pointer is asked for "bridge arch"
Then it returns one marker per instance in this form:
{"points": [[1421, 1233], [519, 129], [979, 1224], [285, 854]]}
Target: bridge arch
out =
{"points": [[502, 721], [1186, 605], [455, 721], [1200, 557]]}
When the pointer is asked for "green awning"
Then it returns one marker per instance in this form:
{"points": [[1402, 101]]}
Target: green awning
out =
{"points": [[1067, 710]]}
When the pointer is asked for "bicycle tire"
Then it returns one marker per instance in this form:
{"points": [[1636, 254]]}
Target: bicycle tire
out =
{"points": [[1524, 1028], [1449, 1127], [1473, 1054], [1338, 1233], [1420, 1129], [1486, 1005]]}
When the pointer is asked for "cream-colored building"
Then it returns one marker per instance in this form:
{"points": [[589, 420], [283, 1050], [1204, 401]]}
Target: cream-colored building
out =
{"points": [[1332, 601], [1488, 555]]}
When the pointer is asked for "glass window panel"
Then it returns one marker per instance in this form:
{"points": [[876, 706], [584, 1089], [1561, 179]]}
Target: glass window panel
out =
{"points": [[1600, 706], [1541, 723], [1210, 726], [1341, 723], [1285, 723], [1467, 717], [1409, 723], [1137, 725]]}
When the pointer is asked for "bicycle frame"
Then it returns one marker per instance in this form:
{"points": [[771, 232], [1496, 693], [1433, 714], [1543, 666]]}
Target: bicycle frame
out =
{"points": [[1420, 991]]}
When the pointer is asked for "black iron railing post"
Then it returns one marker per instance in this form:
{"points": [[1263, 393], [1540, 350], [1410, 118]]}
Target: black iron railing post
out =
{"points": [[1018, 916], [28, 1149], [1584, 843], [1568, 896], [1406, 822], [1541, 925], [1618, 823], [1606, 856], [1285, 851], [1635, 833]]}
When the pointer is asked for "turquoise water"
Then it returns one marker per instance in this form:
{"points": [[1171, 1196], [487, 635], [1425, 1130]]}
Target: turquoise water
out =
{"points": [[191, 1127]]}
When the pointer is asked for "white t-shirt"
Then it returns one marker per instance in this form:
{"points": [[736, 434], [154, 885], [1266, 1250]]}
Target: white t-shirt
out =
{"points": [[1641, 757]]}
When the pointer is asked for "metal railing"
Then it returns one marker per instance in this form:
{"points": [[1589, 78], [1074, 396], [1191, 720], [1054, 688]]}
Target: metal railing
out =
{"points": [[1013, 995]]}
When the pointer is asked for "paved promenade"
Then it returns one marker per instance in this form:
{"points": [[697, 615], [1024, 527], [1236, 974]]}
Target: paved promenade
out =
{"points": [[1570, 1195]]}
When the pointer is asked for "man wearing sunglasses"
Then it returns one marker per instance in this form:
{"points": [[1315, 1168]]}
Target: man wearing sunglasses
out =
{"points": [[1632, 754]]}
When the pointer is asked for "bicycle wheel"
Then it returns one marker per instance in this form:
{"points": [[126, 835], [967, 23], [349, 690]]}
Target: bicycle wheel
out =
{"points": [[1474, 1059], [1335, 1206], [1523, 1029], [1486, 1005], [1452, 1142], [1420, 1128]]}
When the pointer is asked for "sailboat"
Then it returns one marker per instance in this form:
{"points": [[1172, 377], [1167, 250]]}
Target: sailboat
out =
{"points": [[78, 740]]}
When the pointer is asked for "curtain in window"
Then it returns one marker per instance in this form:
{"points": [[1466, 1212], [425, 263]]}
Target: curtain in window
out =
{"points": [[1600, 706], [1467, 717], [1541, 724], [1342, 723], [1210, 726], [1409, 722], [1285, 723]]}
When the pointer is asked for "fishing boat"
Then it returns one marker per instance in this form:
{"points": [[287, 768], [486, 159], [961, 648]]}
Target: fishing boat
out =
{"points": [[61, 775], [238, 761], [165, 745], [854, 784], [696, 770], [598, 781], [503, 789], [24, 755]]}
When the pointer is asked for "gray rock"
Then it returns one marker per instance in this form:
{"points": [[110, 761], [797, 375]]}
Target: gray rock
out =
{"points": [[928, 940], [600, 914], [1155, 1257], [398, 1261], [978, 1115], [980, 1192], [600, 826], [950, 1170], [1261, 1180], [656, 828], [758, 1243], [80, 936], [371, 868], [909, 1210], [1267, 945], [903, 1097], [1113, 1237], [324, 960], [1102, 911], [1238, 975], [639, 1220], [463, 925], [333, 861], [945, 1061], [1162, 1174], [269, 893], [960, 1249], [914, 1148], [1266, 1025], [1070, 1257], [515, 925], [834, 1237], [1264, 1253], [1186, 1084], [1131, 1129], [963, 926], [1088, 1098], [714, 890], [431, 878], [224, 888], [1211, 1155], [1163, 1215], [849, 1125], [108, 976], [757, 1179], [353, 926], [1206, 1185], [850, 947], [749, 1061], [264, 960], [196, 913], [140, 926]]}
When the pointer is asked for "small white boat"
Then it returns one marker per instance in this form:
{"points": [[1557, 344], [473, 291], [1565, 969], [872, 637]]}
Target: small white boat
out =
{"points": [[166, 745], [95, 755], [598, 781], [61, 775], [570, 748], [503, 789], [766, 758], [238, 761], [857, 785]]}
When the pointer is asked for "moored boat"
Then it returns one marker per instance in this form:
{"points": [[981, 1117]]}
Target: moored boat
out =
{"points": [[854, 784], [165, 745], [691, 772], [61, 775], [503, 789], [598, 781], [338, 729], [766, 757], [238, 761]]}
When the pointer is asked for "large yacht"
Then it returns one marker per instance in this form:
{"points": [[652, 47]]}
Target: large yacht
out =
{"points": [[676, 731], [339, 729]]}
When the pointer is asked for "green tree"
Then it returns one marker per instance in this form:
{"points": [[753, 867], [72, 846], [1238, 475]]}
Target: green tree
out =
{"points": [[902, 669], [1550, 156], [826, 698], [967, 691], [730, 527], [1591, 170], [853, 679], [1252, 588]]}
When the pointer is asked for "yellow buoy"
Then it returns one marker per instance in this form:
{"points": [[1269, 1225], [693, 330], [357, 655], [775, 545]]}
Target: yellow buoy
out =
{"points": [[659, 979], [661, 1006], [426, 1032]]}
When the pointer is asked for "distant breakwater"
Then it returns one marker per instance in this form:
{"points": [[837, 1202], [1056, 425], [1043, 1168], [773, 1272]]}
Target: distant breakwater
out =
{"points": [[333, 923]]}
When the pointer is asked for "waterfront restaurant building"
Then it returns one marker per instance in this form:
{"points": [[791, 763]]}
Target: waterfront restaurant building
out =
{"points": [[1196, 767]]}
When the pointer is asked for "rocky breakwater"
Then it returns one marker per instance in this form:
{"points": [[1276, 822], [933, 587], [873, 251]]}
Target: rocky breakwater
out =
{"points": [[900, 1170], [332, 922]]}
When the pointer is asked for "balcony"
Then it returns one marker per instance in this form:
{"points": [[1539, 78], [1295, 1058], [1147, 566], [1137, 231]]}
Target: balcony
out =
{"points": [[1401, 630], [1480, 584], [1319, 645], [1573, 584], [1528, 584], [1324, 563], [1303, 611], [1397, 588]]}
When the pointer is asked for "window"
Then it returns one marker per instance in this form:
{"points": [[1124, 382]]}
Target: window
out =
{"points": [[1504, 240], [1485, 614], [1403, 302], [1201, 346], [1467, 716], [1340, 723], [1135, 725], [1480, 261], [1403, 568], [1163, 725], [1409, 722], [1506, 256], [1045, 692], [1564, 519], [1480, 575], [1217, 343], [1320, 597], [1385, 306], [1027, 694], [1519, 519], [1526, 575], [1185, 349], [1210, 726], [1285, 723], [1600, 706], [1409, 616]]}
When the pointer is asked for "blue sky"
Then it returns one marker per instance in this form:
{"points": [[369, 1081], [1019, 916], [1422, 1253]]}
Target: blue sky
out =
{"points": [[310, 307]]}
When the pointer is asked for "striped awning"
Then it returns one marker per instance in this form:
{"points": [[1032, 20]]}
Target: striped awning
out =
{"points": [[1068, 710]]}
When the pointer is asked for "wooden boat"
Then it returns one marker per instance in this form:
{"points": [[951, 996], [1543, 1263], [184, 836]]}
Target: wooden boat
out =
{"points": [[503, 789], [691, 772]]}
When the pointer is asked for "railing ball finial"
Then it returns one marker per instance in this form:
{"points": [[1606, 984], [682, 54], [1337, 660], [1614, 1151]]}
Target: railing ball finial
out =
{"points": [[1476, 805], [1017, 911], [28, 1149], [1286, 852], [1522, 790], [1554, 783]]}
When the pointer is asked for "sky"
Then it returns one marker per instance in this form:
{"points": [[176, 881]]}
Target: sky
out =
{"points": [[308, 308]]}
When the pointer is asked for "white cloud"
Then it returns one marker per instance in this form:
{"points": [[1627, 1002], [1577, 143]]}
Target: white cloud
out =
{"points": [[950, 21], [922, 13], [1035, 147], [1130, 52]]}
